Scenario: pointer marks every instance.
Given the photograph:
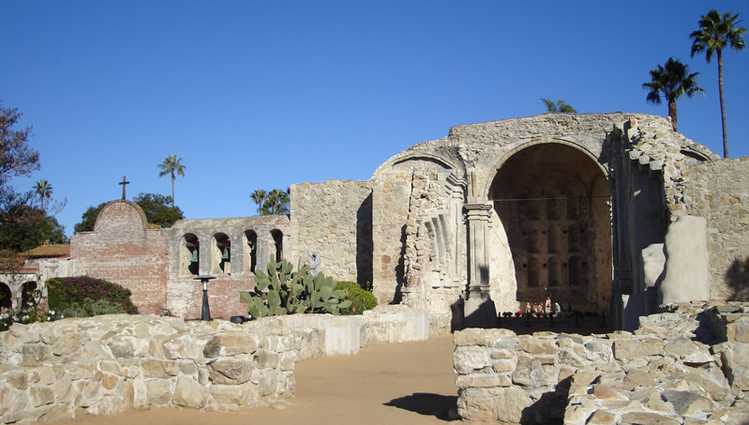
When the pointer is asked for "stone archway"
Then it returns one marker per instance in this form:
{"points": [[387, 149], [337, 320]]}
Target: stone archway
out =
{"points": [[553, 201], [6, 297]]}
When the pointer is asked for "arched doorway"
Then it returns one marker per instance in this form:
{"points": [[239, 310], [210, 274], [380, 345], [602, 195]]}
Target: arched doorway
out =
{"points": [[27, 295], [6, 297], [553, 200], [190, 255]]}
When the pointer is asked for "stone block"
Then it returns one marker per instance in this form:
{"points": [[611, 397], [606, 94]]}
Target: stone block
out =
{"points": [[480, 380], [535, 345], [466, 359], [230, 371], [687, 276], [647, 418], [633, 348], [230, 344], [35, 354], [484, 337], [189, 393], [161, 369]]}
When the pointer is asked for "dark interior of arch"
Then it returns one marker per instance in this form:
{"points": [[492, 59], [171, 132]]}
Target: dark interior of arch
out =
{"points": [[553, 202]]}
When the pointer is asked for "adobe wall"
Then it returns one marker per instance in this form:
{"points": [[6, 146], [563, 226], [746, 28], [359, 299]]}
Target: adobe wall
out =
{"points": [[123, 249], [334, 220], [719, 191]]}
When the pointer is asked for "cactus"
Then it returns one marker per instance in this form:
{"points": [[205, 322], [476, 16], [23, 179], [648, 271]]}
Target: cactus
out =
{"points": [[280, 291]]}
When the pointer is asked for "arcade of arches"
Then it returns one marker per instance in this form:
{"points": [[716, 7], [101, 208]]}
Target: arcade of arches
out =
{"points": [[553, 201]]}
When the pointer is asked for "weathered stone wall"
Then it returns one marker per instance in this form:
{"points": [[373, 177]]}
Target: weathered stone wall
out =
{"points": [[109, 364], [124, 249], [334, 221], [688, 366], [719, 191], [184, 293]]}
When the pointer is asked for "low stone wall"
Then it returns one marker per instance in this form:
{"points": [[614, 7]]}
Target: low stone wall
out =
{"points": [[690, 366], [109, 364]]}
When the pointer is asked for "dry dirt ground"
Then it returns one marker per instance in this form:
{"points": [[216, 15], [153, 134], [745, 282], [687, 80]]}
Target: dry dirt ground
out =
{"points": [[408, 383]]}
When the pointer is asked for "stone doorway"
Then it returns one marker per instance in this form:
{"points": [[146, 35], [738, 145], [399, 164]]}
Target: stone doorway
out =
{"points": [[553, 201]]}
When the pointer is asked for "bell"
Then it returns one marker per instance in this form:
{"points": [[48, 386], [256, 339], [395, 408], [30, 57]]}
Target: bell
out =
{"points": [[225, 255], [194, 257]]}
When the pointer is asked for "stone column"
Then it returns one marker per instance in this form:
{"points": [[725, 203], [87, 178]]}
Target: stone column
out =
{"points": [[479, 309]]}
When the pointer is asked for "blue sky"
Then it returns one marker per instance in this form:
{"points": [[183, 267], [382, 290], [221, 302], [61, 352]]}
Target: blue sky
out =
{"points": [[266, 94]]}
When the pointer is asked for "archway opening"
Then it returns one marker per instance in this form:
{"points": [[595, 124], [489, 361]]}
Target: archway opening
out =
{"points": [[250, 238], [278, 242], [221, 254], [553, 201], [6, 297], [28, 298], [190, 255]]}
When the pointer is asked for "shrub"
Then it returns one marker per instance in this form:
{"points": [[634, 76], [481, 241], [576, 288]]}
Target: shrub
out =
{"points": [[361, 299], [76, 295]]}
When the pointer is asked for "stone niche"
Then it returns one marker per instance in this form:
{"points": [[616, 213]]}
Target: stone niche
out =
{"points": [[553, 202]]}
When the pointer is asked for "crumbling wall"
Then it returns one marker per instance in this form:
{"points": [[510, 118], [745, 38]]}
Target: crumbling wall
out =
{"points": [[124, 249], [334, 221], [719, 191], [686, 366]]}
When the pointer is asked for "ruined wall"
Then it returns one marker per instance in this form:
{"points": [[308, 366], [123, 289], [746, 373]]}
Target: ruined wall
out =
{"points": [[334, 221], [675, 369], [719, 191], [123, 249], [184, 292]]}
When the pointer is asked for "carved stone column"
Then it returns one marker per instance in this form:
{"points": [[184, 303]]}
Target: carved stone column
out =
{"points": [[479, 309]]}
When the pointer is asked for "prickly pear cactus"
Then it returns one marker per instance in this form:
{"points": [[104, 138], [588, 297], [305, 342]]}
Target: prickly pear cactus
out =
{"points": [[279, 290]]}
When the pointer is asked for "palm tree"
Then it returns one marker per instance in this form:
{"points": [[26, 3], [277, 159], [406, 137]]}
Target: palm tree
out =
{"points": [[671, 80], [277, 202], [258, 197], [716, 32], [558, 106], [43, 190], [173, 167]]}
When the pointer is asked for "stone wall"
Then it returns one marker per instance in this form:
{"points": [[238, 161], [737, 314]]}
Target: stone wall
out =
{"points": [[125, 249], [688, 366], [334, 221], [109, 364], [719, 191]]}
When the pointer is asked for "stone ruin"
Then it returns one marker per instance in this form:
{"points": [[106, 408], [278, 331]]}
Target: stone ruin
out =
{"points": [[607, 213], [687, 366]]}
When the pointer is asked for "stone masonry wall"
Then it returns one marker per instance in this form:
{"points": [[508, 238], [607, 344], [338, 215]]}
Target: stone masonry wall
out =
{"points": [[125, 250], [719, 191], [334, 221], [690, 366], [109, 364]]}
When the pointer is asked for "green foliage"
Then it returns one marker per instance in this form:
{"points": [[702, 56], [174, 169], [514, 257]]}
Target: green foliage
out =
{"points": [[361, 299], [274, 202], [83, 293], [157, 208], [23, 227], [560, 106], [281, 291]]}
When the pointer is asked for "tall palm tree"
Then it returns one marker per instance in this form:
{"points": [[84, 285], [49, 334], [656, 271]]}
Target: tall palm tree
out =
{"points": [[671, 80], [173, 167], [277, 202], [558, 106], [43, 190], [715, 33], [258, 197]]}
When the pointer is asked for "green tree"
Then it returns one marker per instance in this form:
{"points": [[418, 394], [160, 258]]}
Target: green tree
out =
{"points": [[43, 190], [158, 209], [16, 157], [173, 167], [274, 202], [23, 227], [671, 81], [715, 33], [559, 106]]}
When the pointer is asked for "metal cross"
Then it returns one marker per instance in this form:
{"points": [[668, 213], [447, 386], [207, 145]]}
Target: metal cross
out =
{"points": [[124, 183]]}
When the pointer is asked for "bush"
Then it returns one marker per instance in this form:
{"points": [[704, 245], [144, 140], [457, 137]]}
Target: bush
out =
{"points": [[361, 299], [83, 296]]}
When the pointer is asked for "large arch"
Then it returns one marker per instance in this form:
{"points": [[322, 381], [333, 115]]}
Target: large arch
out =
{"points": [[553, 200], [6, 297]]}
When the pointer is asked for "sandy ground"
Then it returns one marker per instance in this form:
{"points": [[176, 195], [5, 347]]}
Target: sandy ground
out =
{"points": [[408, 383]]}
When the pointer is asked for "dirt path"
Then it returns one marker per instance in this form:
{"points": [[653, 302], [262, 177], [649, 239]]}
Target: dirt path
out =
{"points": [[409, 383]]}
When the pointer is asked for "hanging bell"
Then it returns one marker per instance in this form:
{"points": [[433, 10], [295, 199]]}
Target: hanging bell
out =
{"points": [[225, 255], [194, 257]]}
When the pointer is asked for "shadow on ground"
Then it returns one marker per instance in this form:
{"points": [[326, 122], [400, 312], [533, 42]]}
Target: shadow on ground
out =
{"points": [[427, 404]]}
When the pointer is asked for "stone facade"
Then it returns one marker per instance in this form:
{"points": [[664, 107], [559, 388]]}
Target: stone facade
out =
{"points": [[494, 215], [719, 191], [683, 367]]}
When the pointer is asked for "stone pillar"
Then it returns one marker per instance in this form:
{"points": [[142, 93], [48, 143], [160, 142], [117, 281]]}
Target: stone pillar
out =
{"points": [[479, 309]]}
